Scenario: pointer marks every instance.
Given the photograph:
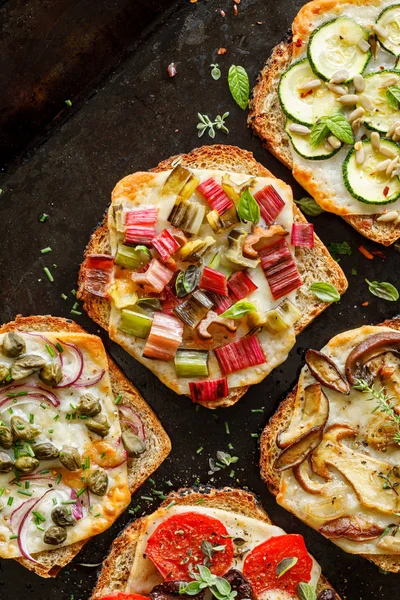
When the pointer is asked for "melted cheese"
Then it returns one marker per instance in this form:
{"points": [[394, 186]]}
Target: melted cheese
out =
{"points": [[353, 496], [276, 346], [60, 426], [144, 575]]}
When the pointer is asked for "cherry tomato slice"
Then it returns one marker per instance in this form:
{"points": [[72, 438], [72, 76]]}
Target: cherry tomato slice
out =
{"points": [[260, 565], [175, 546], [124, 596]]}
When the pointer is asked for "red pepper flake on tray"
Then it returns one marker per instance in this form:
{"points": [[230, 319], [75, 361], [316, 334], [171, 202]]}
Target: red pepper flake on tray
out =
{"points": [[366, 253]]}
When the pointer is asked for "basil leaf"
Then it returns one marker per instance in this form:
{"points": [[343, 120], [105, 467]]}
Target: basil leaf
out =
{"points": [[152, 303], [339, 248], [238, 310], [340, 127], [179, 287], [239, 85], [248, 208], [285, 564], [215, 72], [319, 132], [393, 96], [191, 278], [143, 249], [305, 591], [191, 589], [384, 290], [325, 291], [309, 207]]}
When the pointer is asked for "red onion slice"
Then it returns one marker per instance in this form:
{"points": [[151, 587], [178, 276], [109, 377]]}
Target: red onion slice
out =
{"points": [[33, 391], [24, 524], [78, 357], [91, 381], [76, 509], [36, 477], [132, 419], [45, 339]]}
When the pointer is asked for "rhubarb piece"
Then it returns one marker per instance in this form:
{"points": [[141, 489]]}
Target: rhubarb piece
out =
{"points": [[215, 196], [98, 274], [285, 315], [194, 250], [280, 269], [194, 309], [164, 338], [165, 244], [241, 354], [209, 390], [191, 363], [155, 278], [236, 239], [140, 225], [213, 281], [135, 323], [270, 203], [258, 235], [213, 319], [274, 254], [221, 303], [170, 301], [178, 235], [132, 257], [176, 180], [302, 235], [220, 222], [187, 215], [241, 285]]}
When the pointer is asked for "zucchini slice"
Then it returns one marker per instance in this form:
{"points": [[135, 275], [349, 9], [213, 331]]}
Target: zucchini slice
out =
{"points": [[382, 115], [389, 19], [334, 46], [364, 183], [302, 146], [304, 107]]}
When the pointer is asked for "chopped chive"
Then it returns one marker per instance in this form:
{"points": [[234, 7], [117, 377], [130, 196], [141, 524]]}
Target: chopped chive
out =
{"points": [[51, 430], [43, 405], [254, 435], [75, 312], [56, 418], [24, 492], [75, 306], [149, 498], [46, 250], [97, 515], [257, 410], [58, 478], [10, 410], [48, 274], [80, 492], [59, 347], [169, 482], [44, 471], [68, 417], [54, 501], [13, 537], [27, 485], [73, 292], [103, 454], [151, 481], [227, 430], [68, 502], [17, 484], [118, 399], [31, 418], [10, 501], [43, 217], [50, 350], [39, 516], [29, 450], [86, 463], [1, 491], [199, 450], [133, 510], [170, 505], [200, 501], [230, 447], [40, 527], [64, 297], [68, 102], [232, 474]]}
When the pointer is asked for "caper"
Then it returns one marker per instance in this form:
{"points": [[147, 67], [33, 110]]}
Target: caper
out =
{"points": [[55, 535], [51, 374], [70, 458], [26, 464], [6, 463], [132, 443], [88, 406], [13, 345], [26, 365], [97, 482], [62, 516], [4, 373], [6, 437], [99, 425], [22, 430], [45, 451]]}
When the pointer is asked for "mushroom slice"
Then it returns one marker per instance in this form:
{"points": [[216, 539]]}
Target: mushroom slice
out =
{"points": [[313, 414], [213, 319], [295, 454], [390, 544], [326, 372], [381, 432], [352, 528], [258, 234], [302, 474], [356, 367]]}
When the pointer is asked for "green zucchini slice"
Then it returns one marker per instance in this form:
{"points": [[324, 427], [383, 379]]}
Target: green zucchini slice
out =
{"points": [[334, 46], [389, 19], [364, 183], [382, 115], [302, 146], [304, 107]]}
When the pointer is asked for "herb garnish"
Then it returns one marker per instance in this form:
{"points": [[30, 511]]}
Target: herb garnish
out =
{"points": [[339, 248], [383, 289], [218, 586], [285, 565], [248, 209], [215, 71], [239, 309], [305, 591], [325, 291], [393, 96], [337, 124], [384, 404], [309, 207], [239, 85], [223, 460], [206, 123]]}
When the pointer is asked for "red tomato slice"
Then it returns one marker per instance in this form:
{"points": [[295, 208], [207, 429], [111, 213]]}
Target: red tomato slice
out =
{"points": [[175, 545], [124, 596], [260, 565]]}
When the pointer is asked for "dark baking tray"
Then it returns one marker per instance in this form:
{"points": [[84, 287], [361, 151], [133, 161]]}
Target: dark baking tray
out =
{"points": [[126, 116]]}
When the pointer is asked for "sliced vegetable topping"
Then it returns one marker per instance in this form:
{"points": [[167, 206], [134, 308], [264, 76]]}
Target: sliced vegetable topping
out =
{"points": [[241, 285], [165, 337], [140, 225], [187, 215], [194, 309], [194, 250], [155, 278], [243, 353], [214, 281], [388, 21], [213, 318], [176, 180], [169, 551], [132, 258], [236, 239], [221, 303], [302, 235], [165, 244], [191, 363], [280, 269], [135, 323], [215, 196], [282, 317], [270, 202], [207, 391], [98, 274]]}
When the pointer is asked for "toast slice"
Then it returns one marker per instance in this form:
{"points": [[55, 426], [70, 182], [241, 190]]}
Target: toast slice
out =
{"points": [[314, 264], [267, 118], [269, 452], [116, 567], [139, 469]]}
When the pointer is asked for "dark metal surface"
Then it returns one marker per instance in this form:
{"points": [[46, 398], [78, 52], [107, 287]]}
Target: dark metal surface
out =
{"points": [[137, 118]]}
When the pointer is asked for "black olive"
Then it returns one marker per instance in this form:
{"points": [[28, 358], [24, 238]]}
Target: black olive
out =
{"points": [[169, 590], [239, 584], [327, 595]]}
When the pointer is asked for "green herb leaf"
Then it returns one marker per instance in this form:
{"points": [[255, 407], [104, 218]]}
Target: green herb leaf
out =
{"points": [[238, 310], [340, 127], [309, 207], [239, 85], [339, 248], [248, 208], [151, 303], [215, 72], [179, 287], [319, 132], [384, 290], [191, 589], [205, 124], [305, 591], [325, 291], [393, 96], [285, 565]]}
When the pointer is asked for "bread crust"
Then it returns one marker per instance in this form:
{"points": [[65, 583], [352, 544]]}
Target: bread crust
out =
{"points": [[268, 120], [116, 567], [224, 158], [269, 451], [139, 469]]}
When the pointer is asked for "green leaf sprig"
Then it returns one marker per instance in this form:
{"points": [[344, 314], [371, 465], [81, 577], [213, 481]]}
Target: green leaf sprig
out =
{"points": [[384, 403], [239, 310], [337, 124], [215, 71], [248, 208], [309, 207], [218, 586], [305, 591], [239, 85], [187, 281], [206, 123], [325, 291], [393, 96], [339, 249], [383, 289]]}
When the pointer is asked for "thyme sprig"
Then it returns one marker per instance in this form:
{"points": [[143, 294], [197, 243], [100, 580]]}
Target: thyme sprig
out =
{"points": [[384, 404], [206, 123], [218, 586]]}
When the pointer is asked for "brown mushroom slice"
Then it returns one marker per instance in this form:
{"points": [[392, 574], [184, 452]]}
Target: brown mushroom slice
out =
{"points": [[356, 367], [302, 474], [314, 413], [326, 372], [295, 454], [381, 432], [352, 528], [258, 234], [213, 319]]}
